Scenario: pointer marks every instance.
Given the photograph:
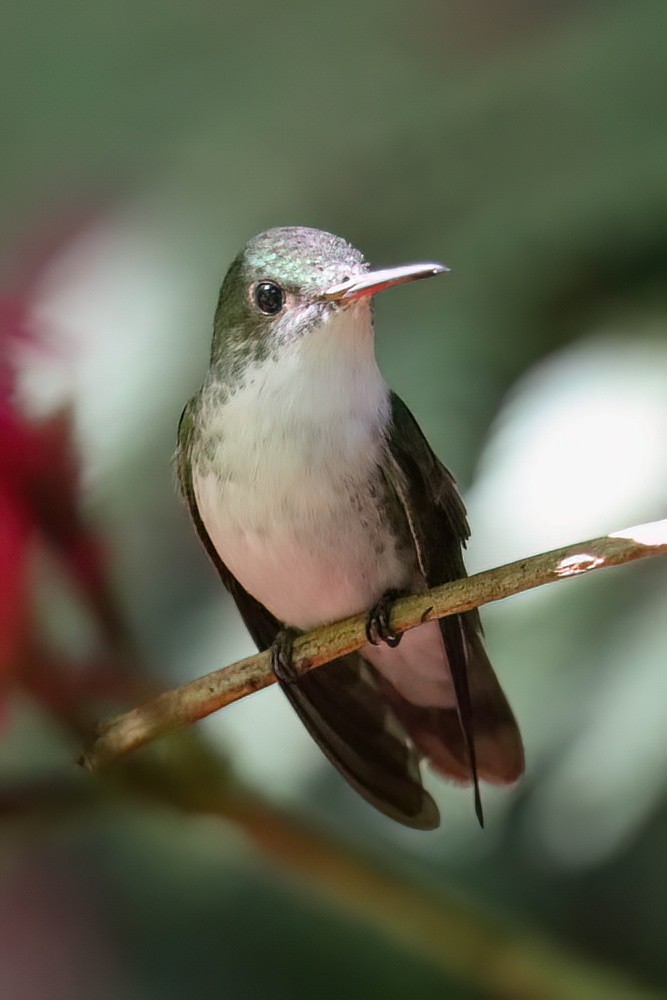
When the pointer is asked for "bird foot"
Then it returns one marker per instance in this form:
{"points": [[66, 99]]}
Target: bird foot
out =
{"points": [[282, 663], [378, 628]]}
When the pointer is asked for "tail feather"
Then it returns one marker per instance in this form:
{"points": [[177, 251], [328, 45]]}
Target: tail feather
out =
{"points": [[438, 735], [376, 736]]}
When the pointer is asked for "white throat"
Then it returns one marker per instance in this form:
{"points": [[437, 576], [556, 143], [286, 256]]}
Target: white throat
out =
{"points": [[330, 376], [323, 391]]}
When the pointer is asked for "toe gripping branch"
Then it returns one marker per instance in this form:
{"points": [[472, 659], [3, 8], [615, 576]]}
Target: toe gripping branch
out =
{"points": [[282, 662], [378, 628]]}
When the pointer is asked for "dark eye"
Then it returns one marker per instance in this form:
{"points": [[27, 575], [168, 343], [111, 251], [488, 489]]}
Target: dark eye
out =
{"points": [[269, 297]]}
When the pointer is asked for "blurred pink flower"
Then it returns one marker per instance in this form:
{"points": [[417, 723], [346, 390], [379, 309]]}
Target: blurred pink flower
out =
{"points": [[40, 494]]}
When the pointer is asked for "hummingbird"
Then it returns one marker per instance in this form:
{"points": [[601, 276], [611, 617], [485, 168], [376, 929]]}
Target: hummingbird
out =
{"points": [[316, 496]]}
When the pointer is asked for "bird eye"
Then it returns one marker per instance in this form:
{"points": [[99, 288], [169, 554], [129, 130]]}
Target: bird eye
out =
{"points": [[269, 297]]}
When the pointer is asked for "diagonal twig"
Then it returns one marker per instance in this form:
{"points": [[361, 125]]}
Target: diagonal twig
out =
{"points": [[184, 705]]}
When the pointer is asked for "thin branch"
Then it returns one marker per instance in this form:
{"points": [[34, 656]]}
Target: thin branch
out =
{"points": [[184, 705]]}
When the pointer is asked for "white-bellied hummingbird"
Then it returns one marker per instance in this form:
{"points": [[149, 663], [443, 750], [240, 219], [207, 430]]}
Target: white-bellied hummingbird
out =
{"points": [[317, 497]]}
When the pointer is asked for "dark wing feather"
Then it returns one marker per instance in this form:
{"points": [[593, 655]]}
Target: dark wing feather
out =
{"points": [[339, 703], [486, 740], [353, 724]]}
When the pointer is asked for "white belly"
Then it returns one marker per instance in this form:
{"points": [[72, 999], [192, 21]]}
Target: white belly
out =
{"points": [[309, 557]]}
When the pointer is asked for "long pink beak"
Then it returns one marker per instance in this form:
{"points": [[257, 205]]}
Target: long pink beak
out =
{"points": [[377, 281]]}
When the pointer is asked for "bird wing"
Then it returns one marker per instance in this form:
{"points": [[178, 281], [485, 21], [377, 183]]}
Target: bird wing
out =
{"points": [[340, 703], [481, 738]]}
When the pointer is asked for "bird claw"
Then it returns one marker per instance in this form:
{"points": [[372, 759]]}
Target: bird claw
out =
{"points": [[378, 628], [282, 663]]}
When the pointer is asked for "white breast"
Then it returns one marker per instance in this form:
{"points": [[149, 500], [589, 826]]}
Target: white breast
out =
{"points": [[284, 491]]}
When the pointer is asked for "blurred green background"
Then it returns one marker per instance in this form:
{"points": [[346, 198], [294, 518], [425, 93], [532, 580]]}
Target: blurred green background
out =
{"points": [[524, 144]]}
